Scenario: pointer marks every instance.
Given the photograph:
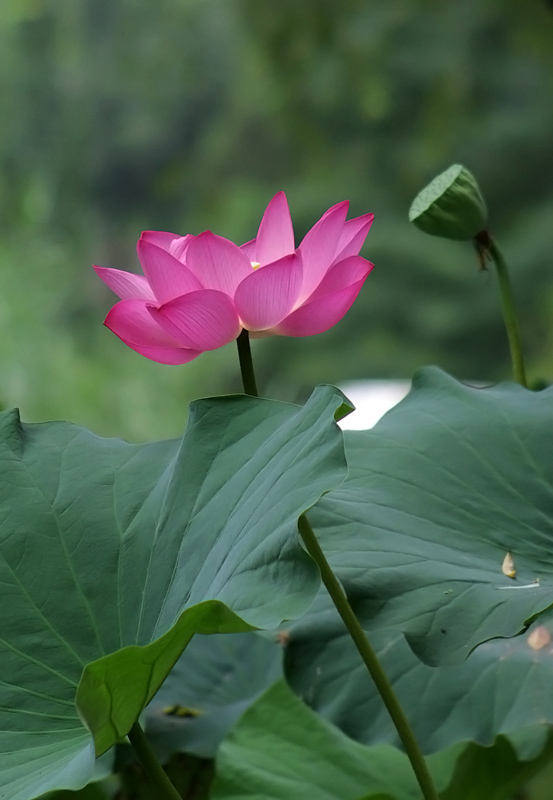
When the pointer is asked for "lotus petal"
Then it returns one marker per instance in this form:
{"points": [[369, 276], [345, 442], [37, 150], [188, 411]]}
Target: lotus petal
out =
{"points": [[126, 285], [353, 236], [217, 262], [132, 322], [275, 238], [266, 296], [319, 246], [321, 314], [168, 277], [203, 320]]}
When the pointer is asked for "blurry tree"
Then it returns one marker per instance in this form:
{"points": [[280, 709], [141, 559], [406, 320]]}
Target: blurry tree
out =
{"points": [[119, 115]]}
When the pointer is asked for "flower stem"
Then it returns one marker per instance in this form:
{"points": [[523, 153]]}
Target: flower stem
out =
{"points": [[370, 659], [509, 314], [246, 363], [164, 789], [351, 622]]}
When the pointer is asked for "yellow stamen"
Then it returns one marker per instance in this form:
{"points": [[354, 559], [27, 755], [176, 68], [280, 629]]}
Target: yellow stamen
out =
{"points": [[255, 264]]}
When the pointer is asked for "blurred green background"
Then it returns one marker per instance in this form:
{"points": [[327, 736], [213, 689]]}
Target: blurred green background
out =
{"points": [[182, 115]]}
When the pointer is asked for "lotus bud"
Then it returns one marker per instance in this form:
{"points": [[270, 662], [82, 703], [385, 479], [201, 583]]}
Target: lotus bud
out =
{"points": [[450, 206]]}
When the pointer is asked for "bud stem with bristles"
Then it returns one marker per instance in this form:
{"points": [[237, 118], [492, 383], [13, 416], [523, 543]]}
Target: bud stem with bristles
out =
{"points": [[487, 248]]}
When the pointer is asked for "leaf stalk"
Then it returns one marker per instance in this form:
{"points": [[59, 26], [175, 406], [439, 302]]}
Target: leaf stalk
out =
{"points": [[164, 789], [509, 312], [351, 622], [370, 660], [246, 364]]}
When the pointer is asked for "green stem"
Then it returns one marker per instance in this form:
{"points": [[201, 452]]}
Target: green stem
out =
{"points": [[370, 659], [164, 789], [509, 314], [351, 622], [246, 364]]}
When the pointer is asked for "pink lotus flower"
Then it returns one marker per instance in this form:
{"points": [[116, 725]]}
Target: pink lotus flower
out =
{"points": [[198, 292]]}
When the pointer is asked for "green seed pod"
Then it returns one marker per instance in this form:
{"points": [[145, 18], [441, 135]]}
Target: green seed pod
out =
{"points": [[450, 206]]}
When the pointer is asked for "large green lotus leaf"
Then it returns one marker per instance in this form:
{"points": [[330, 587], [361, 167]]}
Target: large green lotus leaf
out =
{"points": [[208, 689], [94, 791], [280, 750], [113, 555], [502, 688], [498, 772], [439, 492]]}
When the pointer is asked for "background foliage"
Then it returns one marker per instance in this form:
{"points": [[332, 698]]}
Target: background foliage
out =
{"points": [[120, 115]]}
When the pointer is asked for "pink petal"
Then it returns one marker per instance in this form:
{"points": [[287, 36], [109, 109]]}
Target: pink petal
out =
{"points": [[319, 247], [320, 315], [179, 246], [162, 239], [275, 238], [342, 275], [353, 236], [203, 320], [168, 277], [174, 244], [325, 310], [250, 249], [166, 355], [268, 294], [217, 262], [126, 285], [131, 321]]}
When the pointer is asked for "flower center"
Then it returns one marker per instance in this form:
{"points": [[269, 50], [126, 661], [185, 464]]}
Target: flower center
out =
{"points": [[255, 264]]}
